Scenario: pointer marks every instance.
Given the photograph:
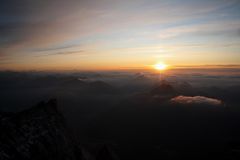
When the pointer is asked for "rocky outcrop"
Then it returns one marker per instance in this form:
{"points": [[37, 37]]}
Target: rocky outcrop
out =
{"points": [[37, 133], [40, 133]]}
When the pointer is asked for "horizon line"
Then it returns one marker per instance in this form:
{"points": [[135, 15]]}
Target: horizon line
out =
{"points": [[171, 67]]}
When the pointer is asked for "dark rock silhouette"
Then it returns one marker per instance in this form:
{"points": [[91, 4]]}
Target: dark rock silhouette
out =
{"points": [[37, 133], [40, 133]]}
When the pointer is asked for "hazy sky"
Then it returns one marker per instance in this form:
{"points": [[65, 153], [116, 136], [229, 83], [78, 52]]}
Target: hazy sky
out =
{"points": [[113, 34]]}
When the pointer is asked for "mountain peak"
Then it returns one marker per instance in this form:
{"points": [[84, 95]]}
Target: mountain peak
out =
{"points": [[164, 88]]}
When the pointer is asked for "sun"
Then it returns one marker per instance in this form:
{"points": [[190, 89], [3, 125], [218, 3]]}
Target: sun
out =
{"points": [[160, 66]]}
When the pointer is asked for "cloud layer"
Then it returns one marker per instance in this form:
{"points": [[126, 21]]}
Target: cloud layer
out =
{"points": [[196, 100]]}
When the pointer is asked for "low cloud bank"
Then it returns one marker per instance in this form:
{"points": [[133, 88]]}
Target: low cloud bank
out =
{"points": [[196, 100]]}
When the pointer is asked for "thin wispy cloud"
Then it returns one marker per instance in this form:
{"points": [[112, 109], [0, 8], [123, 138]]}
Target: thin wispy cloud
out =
{"points": [[55, 48], [62, 53]]}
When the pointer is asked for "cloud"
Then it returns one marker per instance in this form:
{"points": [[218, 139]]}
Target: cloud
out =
{"points": [[55, 48], [196, 100], [204, 29], [67, 52]]}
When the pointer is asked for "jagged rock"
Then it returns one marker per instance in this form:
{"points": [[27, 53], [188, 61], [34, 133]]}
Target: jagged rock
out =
{"points": [[40, 133], [37, 133]]}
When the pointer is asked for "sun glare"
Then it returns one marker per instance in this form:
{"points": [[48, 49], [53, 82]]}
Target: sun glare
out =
{"points": [[160, 66]]}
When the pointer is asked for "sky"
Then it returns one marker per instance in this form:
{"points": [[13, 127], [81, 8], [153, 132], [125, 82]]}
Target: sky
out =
{"points": [[117, 34]]}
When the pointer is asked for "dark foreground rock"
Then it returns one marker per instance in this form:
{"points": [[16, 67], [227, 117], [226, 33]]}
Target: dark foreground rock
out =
{"points": [[40, 133]]}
